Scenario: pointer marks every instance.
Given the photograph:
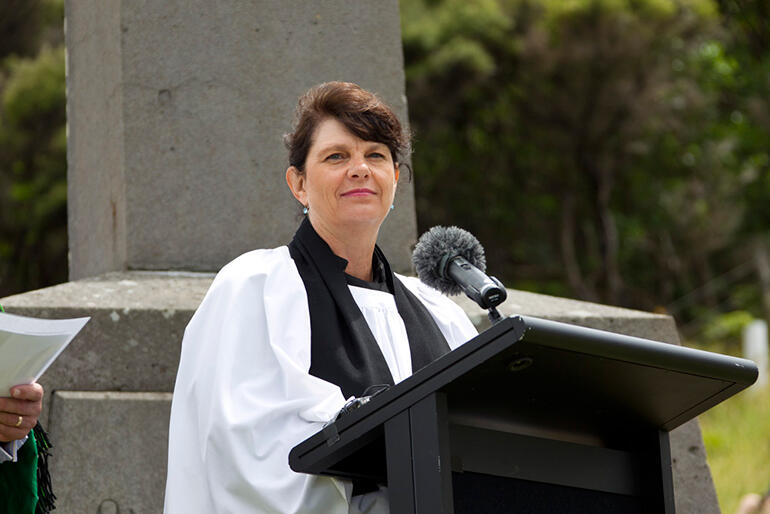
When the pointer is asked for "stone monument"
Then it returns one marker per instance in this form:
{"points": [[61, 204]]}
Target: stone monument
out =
{"points": [[175, 116]]}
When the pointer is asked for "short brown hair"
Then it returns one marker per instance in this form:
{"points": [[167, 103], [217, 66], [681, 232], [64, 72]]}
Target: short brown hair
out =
{"points": [[362, 112]]}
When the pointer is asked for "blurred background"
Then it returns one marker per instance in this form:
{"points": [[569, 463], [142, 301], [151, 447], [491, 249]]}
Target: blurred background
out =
{"points": [[615, 151]]}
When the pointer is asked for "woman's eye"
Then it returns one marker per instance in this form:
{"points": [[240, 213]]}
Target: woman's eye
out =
{"points": [[376, 155], [334, 157]]}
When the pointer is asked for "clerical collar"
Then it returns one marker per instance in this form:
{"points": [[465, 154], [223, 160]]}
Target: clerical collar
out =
{"points": [[378, 282]]}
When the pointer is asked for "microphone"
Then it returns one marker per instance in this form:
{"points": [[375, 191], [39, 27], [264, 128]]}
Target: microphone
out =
{"points": [[451, 260]]}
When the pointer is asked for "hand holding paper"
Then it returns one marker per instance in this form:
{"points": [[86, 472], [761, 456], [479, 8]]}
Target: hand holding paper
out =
{"points": [[18, 415]]}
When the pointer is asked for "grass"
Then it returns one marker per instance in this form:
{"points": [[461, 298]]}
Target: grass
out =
{"points": [[737, 438]]}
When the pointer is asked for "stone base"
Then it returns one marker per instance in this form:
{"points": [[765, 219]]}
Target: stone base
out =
{"points": [[113, 458], [111, 444]]}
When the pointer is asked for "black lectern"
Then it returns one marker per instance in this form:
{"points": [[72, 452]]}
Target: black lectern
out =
{"points": [[530, 416]]}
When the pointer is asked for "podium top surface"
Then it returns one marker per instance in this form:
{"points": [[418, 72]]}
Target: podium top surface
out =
{"points": [[549, 379]]}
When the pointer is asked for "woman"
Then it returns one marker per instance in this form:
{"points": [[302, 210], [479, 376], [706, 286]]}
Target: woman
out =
{"points": [[285, 335]]}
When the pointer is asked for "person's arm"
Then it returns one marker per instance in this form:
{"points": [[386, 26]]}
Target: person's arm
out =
{"points": [[18, 415]]}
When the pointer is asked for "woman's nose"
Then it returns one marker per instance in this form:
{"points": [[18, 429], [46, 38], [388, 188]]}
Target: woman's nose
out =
{"points": [[359, 167]]}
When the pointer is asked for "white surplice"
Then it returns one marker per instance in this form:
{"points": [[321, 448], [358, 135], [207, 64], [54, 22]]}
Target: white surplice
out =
{"points": [[243, 396]]}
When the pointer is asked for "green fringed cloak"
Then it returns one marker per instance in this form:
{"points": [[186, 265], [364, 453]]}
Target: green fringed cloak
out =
{"points": [[25, 485], [18, 481]]}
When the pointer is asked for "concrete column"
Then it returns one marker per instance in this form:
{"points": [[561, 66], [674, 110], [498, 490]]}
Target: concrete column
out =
{"points": [[176, 112]]}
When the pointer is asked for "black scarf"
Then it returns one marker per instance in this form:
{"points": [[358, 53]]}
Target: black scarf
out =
{"points": [[343, 350]]}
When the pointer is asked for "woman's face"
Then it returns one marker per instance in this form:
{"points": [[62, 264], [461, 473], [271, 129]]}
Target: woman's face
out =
{"points": [[347, 181]]}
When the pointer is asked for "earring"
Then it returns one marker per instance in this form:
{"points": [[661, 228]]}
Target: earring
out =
{"points": [[304, 210], [392, 207]]}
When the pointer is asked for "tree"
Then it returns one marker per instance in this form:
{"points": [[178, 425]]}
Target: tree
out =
{"points": [[33, 213], [747, 106], [587, 133]]}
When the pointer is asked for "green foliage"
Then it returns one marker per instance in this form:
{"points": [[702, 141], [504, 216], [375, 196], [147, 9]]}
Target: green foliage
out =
{"points": [[727, 328], [609, 146], [554, 125], [33, 189], [35, 87], [455, 35], [735, 434]]}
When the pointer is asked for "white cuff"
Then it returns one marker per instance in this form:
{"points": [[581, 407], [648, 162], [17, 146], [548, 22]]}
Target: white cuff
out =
{"points": [[9, 451]]}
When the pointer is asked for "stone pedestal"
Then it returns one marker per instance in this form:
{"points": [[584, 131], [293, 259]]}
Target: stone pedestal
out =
{"points": [[114, 458], [176, 112], [114, 380]]}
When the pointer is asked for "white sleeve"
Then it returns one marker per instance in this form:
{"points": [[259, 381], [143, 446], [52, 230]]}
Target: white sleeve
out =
{"points": [[243, 398], [450, 317], [9, 451]]}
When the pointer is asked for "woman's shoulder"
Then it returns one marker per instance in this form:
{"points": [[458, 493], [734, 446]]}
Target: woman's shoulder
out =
{"points": [[249, 278], [253, 271], [255, 263]]}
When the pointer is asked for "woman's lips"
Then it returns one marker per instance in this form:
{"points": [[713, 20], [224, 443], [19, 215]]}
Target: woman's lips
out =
{"points": [[358, 192]]}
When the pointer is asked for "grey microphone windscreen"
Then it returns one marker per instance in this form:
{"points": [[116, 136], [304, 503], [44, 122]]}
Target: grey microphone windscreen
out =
{"points": [[439, 242]]}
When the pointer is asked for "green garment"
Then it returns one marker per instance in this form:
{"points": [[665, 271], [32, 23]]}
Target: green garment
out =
{"points": [[18, 481]]}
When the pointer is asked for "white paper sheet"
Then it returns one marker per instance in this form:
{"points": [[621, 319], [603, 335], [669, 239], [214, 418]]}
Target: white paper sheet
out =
{"points": [[29, 345]]}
